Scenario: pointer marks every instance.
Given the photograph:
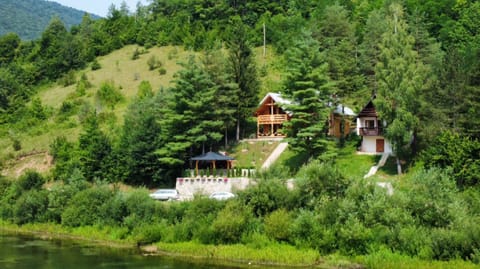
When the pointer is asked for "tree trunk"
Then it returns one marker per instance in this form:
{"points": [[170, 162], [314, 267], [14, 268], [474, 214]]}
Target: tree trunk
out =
{"points": [[399, 166], [238, 130], [226, 138]]}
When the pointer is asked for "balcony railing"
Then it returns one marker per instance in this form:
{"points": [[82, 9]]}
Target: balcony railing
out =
{"points": [[365, 131], [272, 119]]}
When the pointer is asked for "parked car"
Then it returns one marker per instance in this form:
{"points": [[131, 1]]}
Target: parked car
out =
{"points": [[165, 194], [222, 195]]}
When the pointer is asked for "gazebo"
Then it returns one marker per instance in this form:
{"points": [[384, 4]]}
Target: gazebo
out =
{"points": [[213, 158]]}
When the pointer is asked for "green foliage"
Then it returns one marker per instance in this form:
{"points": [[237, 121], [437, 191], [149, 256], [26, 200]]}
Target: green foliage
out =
{"points": [[94, 150], [95, 65], [231, 223], [85, 207], [307, 84], [460, 154], [31, 180], [265, 197], [144, 90], [30, 207], [109, 95], [277, 225], [317, 180], [153, 63]]}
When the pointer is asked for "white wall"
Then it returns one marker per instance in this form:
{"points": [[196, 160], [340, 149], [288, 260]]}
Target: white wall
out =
{"points": [[369, 144], [188, 187]]}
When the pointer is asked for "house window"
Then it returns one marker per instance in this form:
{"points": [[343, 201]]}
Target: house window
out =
{"points": [[370, 124]]}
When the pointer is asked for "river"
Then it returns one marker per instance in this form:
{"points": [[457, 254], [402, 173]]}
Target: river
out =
{"points": [[17, 252]]}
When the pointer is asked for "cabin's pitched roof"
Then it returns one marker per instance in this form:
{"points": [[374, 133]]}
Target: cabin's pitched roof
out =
{"points": [[368, 110], [344, 110], [277, 97]]}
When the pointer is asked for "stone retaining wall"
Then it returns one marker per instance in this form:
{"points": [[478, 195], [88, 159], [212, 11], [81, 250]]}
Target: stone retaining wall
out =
{"points": [[190, 186]]}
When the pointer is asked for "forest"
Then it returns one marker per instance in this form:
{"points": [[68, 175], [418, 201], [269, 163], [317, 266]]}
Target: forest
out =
{"points": [[420, 59], [28, 18]]}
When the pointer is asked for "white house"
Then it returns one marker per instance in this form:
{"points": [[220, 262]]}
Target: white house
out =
{"points": [[370, 128]]}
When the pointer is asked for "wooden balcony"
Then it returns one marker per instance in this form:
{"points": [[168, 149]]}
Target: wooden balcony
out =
{"points": [[364, 131], [272, 119]]}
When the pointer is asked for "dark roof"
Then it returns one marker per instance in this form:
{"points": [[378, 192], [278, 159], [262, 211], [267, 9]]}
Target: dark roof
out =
{"points": [[368, 111], [212, 156]]}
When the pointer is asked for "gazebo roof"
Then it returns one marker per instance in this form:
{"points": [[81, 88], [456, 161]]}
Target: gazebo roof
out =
{"points": [[212, 156]]}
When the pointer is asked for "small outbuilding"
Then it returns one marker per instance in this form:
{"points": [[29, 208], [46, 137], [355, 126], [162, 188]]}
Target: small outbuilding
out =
{"points": [[212, 160]]}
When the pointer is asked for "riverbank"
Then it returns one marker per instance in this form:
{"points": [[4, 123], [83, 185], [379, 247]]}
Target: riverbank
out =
{"points": [[278, 255], [275, 256]]}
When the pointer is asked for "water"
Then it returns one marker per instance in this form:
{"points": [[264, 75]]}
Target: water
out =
{"points": [[29, 253]]}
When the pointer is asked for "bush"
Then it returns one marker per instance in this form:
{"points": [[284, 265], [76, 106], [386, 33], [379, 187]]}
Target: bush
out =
{"points": [[58, 198], [153, 63], [162, 71], [95, 65], [265, 197], [231, 223], [30, 207], [68, 79], [140, 207], [31, 180], [109, 94], [277, 225], [85, 207], [149, 233], [16, 144], [317, 179]]}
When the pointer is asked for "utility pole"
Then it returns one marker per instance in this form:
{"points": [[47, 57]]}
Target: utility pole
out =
{"points": [[264, 41]]}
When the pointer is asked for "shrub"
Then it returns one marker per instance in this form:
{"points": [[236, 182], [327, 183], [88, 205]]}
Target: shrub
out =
{"points": [[140, 206], [68, 79], [85, 207], [231, 223], [149, 233], [58, 198], [265, 197], [136, 54], [31, 180], [162, 71], [317, 179], [95, 65], [431, 193], [450, 150], [277, 225], [30, 207], [109, 94], [153, 63], [16, 144]]}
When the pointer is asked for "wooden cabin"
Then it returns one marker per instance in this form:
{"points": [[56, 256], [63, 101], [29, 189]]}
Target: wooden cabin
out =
{"points": [[340, 114], [370, 128], [271, 115]]}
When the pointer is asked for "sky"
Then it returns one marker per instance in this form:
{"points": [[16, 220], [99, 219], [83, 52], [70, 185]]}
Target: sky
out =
{"points": [[99, 7]]}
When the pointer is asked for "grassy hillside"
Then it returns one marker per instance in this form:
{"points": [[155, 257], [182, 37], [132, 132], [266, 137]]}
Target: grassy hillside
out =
{"points": [[29, 18], [126, 74]]}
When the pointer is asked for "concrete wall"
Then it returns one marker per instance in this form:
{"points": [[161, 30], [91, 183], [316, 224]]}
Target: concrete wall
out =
{"points": [[188, 187], [369, 144]]}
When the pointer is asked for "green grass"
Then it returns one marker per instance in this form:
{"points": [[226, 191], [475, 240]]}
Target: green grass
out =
{"points": [[385, 259], [274, 254], [354, 165], [252, 153]]}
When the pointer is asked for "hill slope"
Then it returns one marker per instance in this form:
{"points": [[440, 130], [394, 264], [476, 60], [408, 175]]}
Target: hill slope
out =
{"points": [[29, 18]]}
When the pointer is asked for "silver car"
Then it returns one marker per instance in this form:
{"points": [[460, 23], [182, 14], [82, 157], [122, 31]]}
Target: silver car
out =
{"points": [[165, 195], [222, 195]]}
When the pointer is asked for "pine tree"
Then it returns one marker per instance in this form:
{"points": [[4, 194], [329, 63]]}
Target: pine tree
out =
{"points": [[400, 81], [95, 150], [243, 70], [308, 86], [337, 41], [189, 122]]}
